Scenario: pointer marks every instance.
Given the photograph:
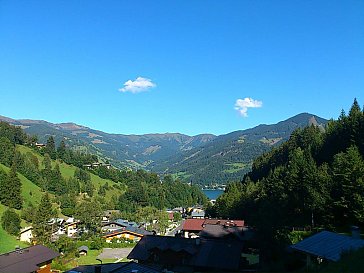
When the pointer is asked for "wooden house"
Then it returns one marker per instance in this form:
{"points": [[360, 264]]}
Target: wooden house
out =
{"points": [[32, 259]]}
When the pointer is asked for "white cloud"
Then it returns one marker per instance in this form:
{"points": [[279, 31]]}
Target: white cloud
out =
{"points": [[139, 85], [242, 105]]}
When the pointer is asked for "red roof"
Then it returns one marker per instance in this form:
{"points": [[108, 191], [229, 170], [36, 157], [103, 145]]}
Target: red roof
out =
{"points": [[198, 224], [193, 224], [223, 222]]}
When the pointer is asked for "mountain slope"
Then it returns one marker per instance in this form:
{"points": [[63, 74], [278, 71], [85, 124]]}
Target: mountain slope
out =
{"points": [[122, 150], [202, 159], [229, 157]]}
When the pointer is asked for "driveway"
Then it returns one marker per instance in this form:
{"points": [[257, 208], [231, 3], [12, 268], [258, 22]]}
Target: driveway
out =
{"points": [[114, 253]]}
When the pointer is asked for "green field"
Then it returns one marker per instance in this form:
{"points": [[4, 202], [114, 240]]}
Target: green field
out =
{"points": [[235, 167]]}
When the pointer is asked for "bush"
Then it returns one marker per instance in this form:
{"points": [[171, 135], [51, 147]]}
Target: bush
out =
{"points": [[10, 221]]}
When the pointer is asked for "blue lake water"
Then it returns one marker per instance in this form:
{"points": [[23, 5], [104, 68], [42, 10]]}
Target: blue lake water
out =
{"points": [[213, 194]]}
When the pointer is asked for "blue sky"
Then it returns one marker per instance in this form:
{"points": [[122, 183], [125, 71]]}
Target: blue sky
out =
{"points": [[136, 67]]}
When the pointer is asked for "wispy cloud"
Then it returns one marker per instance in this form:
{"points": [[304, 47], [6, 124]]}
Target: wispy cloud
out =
{"points": [[139, 85], [242, 105]]}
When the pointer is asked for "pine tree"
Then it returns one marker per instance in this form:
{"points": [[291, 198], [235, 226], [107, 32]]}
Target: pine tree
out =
{"points": [[61, 151], [10, 191], [42, 228], [51, 148]]}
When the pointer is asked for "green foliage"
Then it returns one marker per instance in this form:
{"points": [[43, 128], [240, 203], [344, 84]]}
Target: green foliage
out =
{"points": [[89, 213], [10, 189], [41, 227], [315, 179], [6, 151], [50, 148], [10, 222]]}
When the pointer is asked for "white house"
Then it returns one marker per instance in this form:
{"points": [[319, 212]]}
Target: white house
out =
{"points": [[26, 234]]}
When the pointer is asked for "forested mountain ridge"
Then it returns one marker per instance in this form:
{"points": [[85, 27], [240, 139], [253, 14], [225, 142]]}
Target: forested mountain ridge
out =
{"points": [[228, 157], [314, 179], [136, 151], [202, 159]]}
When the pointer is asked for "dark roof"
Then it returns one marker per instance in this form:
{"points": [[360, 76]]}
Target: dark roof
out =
{"points": [[238, 223], [83, 248], [26, 260], [328, 245], [115, 268], [202, 253], [218, 231]]}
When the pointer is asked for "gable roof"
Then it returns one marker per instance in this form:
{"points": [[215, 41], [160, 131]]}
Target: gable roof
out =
{"points": [[328, 245], [26, 260], [193, 224], [202, 253]]}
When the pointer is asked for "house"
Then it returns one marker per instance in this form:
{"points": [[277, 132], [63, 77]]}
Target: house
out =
{"points": [[117, 224], [188, 255], [125, 267], [36, 258], [40, 145], [83, 250], [192, 227], [71, 229], [26, 234], [130, 233], [328, 246], [198, 213]]}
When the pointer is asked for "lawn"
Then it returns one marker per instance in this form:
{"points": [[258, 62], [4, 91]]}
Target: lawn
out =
{"points": [[7, 241]]}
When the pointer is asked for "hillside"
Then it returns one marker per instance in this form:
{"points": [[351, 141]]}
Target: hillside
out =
{"points": [[136, 151], [203, 159], [229, 157]]}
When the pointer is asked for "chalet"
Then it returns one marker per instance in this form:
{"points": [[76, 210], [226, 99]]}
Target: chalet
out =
{"points": [[32, 259], [117, 224], [124, 267], [26, 234], [327, 246], [187, 255], [70, 228], [130, 233], [40, 145]]}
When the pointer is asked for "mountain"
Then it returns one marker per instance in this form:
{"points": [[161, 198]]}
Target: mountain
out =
{"points": [[137, 151], [203, 159], [228, 157]]}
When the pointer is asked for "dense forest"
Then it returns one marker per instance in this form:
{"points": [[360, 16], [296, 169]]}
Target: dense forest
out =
{"points": [[314, 180]]}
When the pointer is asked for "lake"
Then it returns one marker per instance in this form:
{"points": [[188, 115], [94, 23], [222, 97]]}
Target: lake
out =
{"points": [[213, 194]]}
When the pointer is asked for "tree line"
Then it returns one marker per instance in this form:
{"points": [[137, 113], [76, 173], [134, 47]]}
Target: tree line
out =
{"points": [[314, 180]]}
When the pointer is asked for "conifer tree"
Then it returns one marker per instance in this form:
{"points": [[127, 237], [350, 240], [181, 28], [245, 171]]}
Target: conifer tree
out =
{"points": [[51, 148], [11, 190], [42, 228]]}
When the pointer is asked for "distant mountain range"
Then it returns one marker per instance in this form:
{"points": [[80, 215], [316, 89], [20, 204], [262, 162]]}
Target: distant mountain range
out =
{"points": [[203, 159]]}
